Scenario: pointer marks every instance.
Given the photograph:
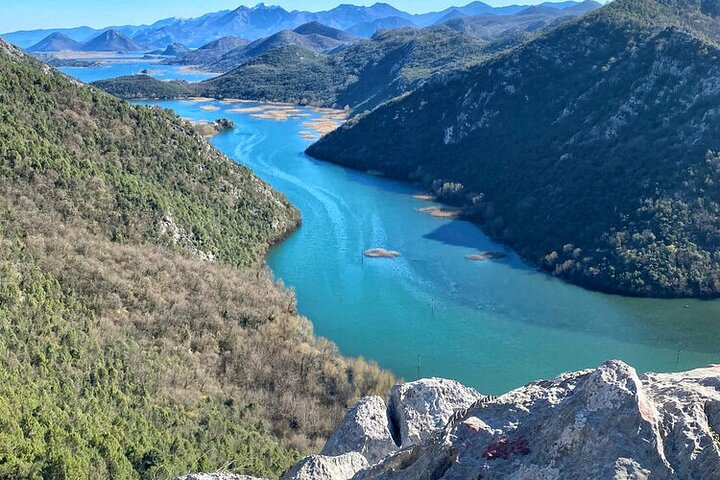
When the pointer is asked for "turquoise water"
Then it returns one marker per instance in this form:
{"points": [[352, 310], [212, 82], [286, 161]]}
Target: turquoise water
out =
{"points": [[119, 66], [494, 325]]}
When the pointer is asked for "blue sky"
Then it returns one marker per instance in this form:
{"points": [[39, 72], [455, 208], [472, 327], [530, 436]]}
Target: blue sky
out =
{"points": [[32, 14]]}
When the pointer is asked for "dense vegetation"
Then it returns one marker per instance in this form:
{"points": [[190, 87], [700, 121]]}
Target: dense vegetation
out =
{"points": [[592, 150], [311, 36], [145, 86], [208, 53], [125, 351]]}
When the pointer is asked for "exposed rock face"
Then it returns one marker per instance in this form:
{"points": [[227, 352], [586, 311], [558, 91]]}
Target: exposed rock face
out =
{"points": [[217, 476], [606, 423], [319, 467], [418, 409], [365, 430]]}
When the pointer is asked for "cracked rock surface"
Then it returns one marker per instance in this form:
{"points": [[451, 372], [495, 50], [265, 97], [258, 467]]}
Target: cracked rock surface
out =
{"points": [[605, 423]]}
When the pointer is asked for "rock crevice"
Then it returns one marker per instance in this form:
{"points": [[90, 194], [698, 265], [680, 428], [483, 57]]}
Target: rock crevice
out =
{"points": [[608, 422]]}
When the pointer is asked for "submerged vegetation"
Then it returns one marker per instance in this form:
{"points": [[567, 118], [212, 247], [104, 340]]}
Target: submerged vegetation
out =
{"points": [[141, 335]]}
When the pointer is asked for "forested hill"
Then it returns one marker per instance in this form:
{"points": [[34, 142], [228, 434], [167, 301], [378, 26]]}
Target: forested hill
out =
{"points": [[131, 344], [592, 150], [360, 76]]}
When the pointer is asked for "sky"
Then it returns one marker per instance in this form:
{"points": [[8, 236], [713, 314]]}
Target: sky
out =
{"points": [[34, 14]]}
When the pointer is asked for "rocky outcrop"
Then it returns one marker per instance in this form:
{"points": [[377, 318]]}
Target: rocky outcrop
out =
{"points": [[320, 467], [418, 409], [366, 430], [606, 423], [217, 476]]}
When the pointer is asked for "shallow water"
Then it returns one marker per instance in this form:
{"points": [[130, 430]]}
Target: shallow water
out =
{"points": [[132, 65], [494, 325]]}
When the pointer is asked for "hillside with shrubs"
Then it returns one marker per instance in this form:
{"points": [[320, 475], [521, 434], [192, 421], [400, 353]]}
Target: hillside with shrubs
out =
{"points": [[141, 335]]}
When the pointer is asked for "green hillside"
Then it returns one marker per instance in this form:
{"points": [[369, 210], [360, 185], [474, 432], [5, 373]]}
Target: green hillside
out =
{"points": [[141, 335], [592, 150], [361, 76]]}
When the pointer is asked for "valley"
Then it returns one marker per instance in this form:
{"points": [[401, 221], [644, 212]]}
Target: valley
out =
{"points": [[219, 233], [431, 311]]}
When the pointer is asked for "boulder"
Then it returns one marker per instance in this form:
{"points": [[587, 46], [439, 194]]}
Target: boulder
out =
{"points": [[605, 423], [320, 467], [364, 430], [417, 410], [217, 476]]}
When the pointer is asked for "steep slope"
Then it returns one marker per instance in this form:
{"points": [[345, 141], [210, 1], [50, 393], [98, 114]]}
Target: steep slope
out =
{"points": [[56, 42], [209, 53], [360, 76], [528, 21], [132, 345], [604, 423], [591, 150], [317, 28], [368, 29], [288, 74], [309, 37], [111, 41], [175, 50]]}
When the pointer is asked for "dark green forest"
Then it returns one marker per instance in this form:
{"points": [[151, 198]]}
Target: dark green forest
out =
{"points": [[592, 150]]}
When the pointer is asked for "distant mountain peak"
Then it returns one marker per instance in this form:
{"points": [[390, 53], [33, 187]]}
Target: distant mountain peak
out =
{"points": [[55, 42], [112, 40]]}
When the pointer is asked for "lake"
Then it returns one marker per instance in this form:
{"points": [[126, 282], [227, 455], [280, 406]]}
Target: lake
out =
{"points": [[118, 66], [494, 325]]}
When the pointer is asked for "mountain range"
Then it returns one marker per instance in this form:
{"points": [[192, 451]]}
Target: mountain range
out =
{"points": [[319, 65], [311, 36], [108, 41], [361, 75], [262, 21], [592, 150]]}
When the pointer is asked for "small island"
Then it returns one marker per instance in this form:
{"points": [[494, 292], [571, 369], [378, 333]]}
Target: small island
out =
{"points": [[381, 253], [483, 256]]}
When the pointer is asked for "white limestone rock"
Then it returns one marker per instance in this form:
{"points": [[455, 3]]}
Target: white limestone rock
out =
{"points": [[217, 476], [319, 467], [420, 409], [605, 423], [364, 430]]}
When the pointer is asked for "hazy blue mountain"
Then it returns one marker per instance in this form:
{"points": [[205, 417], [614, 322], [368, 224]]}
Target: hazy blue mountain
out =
{"points": [[56, 42], [175, 50], [470, 10], [317, 28], [209, 53], [582, 8], [27, 38], [527, 21], [112, 41], [262, 21], [368, 29], [311, 36]]}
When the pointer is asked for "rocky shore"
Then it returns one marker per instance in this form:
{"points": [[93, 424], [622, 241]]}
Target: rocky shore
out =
{"points": [[605, 423]]}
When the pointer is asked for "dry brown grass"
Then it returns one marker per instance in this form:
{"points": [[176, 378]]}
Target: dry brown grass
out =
{"points": [[227, 333]]}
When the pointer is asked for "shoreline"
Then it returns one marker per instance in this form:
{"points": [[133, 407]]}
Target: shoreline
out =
{"points": [[425, 194]]}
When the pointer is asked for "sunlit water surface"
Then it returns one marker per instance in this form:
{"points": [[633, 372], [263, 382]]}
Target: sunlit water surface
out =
{"points": [[494, 325], [118, 66]]}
